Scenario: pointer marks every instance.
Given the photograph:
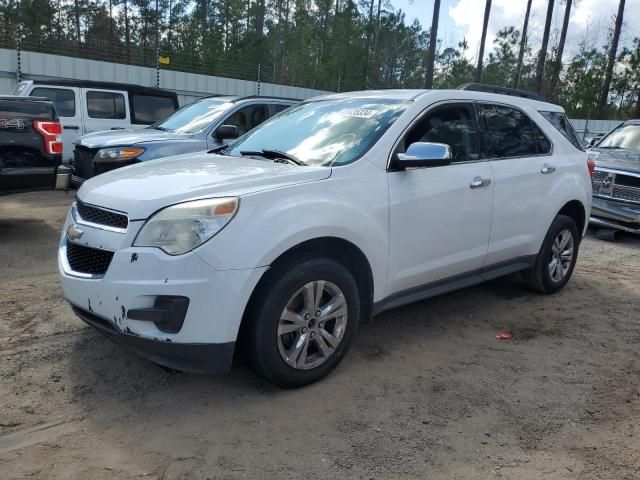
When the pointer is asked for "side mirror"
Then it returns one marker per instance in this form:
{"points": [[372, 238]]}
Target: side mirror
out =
{"points": [[593, 141], [424, 154], [226, 131]]}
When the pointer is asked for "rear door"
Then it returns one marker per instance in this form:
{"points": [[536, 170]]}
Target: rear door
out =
{"points": [[520, 156], [105, 110], [68, 105]]}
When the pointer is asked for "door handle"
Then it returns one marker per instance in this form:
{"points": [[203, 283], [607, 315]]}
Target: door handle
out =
{"points": [[479, 182], [71, 127], [546, 169]]}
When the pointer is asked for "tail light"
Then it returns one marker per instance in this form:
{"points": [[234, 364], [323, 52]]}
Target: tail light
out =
{"points": [[591, 161], [52, 134], [591, 165]]}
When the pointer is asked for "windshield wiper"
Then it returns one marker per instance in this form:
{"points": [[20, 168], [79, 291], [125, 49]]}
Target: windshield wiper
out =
{"points": [[276, 155], [161, 128]]}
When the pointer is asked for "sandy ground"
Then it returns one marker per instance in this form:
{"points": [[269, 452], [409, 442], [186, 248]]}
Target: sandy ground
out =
{"points": [[427, 391]]}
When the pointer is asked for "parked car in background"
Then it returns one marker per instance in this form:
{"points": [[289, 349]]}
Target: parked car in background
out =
{"points": [[338, 208], [30, 146], [85, 106], [616, 182], [202, 125]]}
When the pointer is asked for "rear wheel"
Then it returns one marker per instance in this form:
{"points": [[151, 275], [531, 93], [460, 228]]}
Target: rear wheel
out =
{"points": [[302, 320], [557, 257]]}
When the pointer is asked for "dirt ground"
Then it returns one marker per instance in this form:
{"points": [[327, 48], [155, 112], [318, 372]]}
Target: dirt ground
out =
{"points": [[426, 392]]}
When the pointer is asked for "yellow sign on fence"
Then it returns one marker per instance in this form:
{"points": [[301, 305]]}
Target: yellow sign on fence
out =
{"points": [[164, 60]]}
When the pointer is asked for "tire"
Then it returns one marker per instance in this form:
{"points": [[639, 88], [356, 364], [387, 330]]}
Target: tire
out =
{"points": [[542, 277], [276, 345]]}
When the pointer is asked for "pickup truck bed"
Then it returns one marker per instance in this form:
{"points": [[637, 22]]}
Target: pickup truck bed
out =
{"points": [[30, 146]]}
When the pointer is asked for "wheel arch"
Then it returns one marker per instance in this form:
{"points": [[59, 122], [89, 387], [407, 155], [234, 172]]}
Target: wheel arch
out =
{"points": [[575, 210], [335, 248]]}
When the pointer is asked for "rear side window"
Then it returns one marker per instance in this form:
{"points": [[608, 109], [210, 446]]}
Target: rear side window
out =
{"points": [[562, 124], [149, 109], [63, 99], [544, 145], [507, 133], [106, 105]]}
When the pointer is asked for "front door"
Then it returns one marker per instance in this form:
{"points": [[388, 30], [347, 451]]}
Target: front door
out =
{"points": [[68, 106], [440, 217]]}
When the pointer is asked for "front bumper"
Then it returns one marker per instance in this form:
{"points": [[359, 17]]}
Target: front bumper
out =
{"points": [[133, 301], [615, 214], [187, 357], [63, 178]]}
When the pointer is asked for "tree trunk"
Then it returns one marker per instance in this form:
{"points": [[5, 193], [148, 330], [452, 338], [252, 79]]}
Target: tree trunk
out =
{"points": [[77, 14], [523, 46], [604, 96], [557, 67], [543, 49], [431, 52], [369, 35], [170, 27], [127, 31], [260, 18], [487, 11]]}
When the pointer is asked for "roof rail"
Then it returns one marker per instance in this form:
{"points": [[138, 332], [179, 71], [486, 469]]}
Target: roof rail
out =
{"points": [[481, 87], [266, 97]]}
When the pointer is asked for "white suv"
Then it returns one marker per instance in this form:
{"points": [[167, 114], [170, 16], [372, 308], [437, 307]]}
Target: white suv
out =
{"points": [[334, 210]]}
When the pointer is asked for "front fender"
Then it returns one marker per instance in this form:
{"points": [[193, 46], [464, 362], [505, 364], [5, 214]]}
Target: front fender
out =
{"points": [[270, 223]]}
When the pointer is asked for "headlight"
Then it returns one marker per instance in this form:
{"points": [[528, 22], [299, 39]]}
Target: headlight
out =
{"points": [[117, 154], [180, 228]]}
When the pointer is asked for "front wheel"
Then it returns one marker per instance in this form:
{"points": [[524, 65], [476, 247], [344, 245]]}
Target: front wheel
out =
{"points": [[557, 257], [302, 321]]}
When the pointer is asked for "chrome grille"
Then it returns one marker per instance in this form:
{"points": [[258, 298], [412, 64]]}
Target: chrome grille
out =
{"points": [[100, 216], [88, 260], [626, 193], [619, 186]]}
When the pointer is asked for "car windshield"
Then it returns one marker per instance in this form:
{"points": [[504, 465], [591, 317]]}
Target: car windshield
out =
{"points": [[625, 136], [194, 117], [325, 132]]}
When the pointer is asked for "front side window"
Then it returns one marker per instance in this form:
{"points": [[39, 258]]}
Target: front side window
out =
{"points": [[108, 105], [325, 132], [247, 118], [562, 124], [62, 98], [148, 109], [453, 125], [194, 117], [624, 137], [507, 133]]}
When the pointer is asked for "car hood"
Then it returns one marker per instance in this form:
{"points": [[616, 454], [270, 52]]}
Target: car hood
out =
{"points": [[623, 159], [144, 188], [126, 137]]}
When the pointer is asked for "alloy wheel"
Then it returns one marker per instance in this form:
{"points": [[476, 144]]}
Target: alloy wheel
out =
{"points": [[312, 325]]}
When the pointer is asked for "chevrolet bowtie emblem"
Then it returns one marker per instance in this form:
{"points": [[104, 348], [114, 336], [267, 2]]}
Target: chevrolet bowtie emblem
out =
{"points": [[74, 233]]}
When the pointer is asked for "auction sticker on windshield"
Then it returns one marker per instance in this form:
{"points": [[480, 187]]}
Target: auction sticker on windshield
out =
{"points": [[359, 112]]}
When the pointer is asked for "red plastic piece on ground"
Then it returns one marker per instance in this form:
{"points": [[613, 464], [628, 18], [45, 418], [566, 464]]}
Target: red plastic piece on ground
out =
{"points": [[503, 335]]}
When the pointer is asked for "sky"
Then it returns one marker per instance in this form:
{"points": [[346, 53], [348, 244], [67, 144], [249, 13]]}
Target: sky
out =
{"points": [[463, 19]]}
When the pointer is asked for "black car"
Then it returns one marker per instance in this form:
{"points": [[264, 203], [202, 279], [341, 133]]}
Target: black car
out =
{"points": [[616, 180], [30, 146]]}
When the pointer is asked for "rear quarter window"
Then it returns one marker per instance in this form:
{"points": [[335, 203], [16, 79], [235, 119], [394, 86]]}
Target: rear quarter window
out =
{"points": [[148, 109], [560, 121]]}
